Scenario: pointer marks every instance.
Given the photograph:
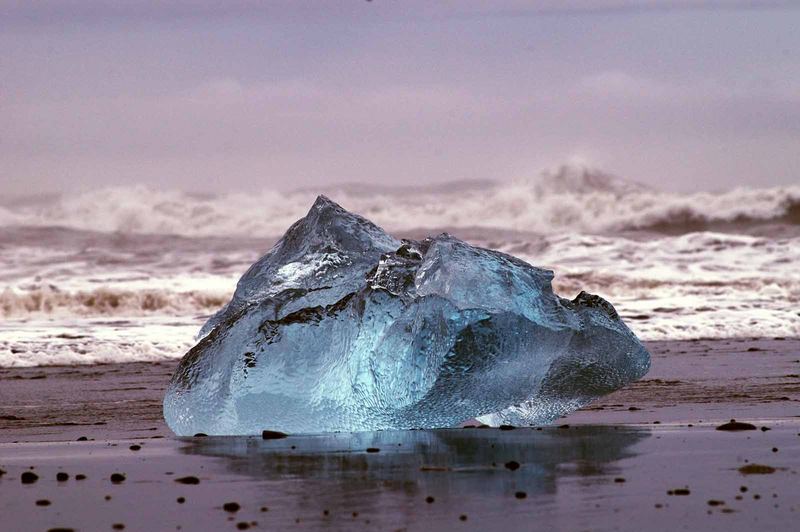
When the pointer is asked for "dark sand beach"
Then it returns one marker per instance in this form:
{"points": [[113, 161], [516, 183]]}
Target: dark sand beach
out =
{"points": [[647, 457], [385, 214]]}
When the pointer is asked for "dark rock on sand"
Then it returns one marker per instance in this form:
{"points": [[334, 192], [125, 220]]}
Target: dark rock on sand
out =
{"points": [[429, 499], [28, 477], [756, 469], [679, 491], [83, 438], [135, 447], [80, 476], [272, 435], [181, 500], [714, 502], [520, 495], [62, 477], [734, 425], [42, 502], [188, 480], [116, 478], [373, 450], [231, 507], [512, 465]]}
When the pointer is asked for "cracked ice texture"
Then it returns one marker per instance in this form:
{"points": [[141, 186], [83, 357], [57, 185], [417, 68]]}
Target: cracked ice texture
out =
{"points": [[342, 327]]}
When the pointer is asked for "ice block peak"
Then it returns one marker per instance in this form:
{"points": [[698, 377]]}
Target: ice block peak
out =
{"points": [[343, 327]]}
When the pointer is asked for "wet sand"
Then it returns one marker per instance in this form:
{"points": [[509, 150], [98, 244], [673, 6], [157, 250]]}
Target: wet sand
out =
{"points": [[610, 468]]}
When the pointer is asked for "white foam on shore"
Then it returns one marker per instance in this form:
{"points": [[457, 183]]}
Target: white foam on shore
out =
{"points": [[47, 342], [699, 285]]}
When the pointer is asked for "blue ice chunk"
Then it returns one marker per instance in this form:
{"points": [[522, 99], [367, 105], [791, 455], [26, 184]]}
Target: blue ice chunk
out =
{"points": [[341, 327]]}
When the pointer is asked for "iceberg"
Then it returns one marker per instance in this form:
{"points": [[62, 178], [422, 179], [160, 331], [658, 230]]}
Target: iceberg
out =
{"points": [[342, 327]]}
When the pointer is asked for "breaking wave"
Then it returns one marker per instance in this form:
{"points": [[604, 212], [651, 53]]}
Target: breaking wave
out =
{"points": [[107, 302], [570, 199]]}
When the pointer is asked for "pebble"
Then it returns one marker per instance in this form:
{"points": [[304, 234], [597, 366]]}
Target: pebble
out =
{"points": [[734, 426], [756, 469], [679, 491]]}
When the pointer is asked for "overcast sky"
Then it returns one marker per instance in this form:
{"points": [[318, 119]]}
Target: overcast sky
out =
{"points": [[684, 95]]}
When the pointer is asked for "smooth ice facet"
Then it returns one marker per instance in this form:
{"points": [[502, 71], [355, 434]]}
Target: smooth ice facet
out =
{"points": [[341, 327]]}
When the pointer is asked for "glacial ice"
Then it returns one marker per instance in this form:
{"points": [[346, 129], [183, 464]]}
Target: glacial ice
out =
{"points": [[342, 327]]}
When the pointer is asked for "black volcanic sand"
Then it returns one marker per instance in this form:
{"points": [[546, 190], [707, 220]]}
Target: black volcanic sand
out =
{"points": [[567, 479], [648, 457], [708, 380]]}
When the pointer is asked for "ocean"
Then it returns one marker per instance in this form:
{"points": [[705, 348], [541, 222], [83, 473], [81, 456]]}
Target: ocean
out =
{"points": [[131, 273]]}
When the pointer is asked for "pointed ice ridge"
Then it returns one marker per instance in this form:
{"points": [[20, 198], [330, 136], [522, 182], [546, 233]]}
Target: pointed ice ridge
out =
{"points": [[320, 258], [343, 327]]}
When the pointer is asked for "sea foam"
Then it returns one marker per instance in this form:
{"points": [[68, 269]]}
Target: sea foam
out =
{"points": [[570, 199]]}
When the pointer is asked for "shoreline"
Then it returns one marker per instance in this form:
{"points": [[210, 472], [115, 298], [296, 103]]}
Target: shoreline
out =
{"points": [[645, 457], [689, 382]]}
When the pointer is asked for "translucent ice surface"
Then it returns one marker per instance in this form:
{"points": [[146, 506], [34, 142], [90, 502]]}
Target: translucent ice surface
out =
{"points": [[341, 327]]}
